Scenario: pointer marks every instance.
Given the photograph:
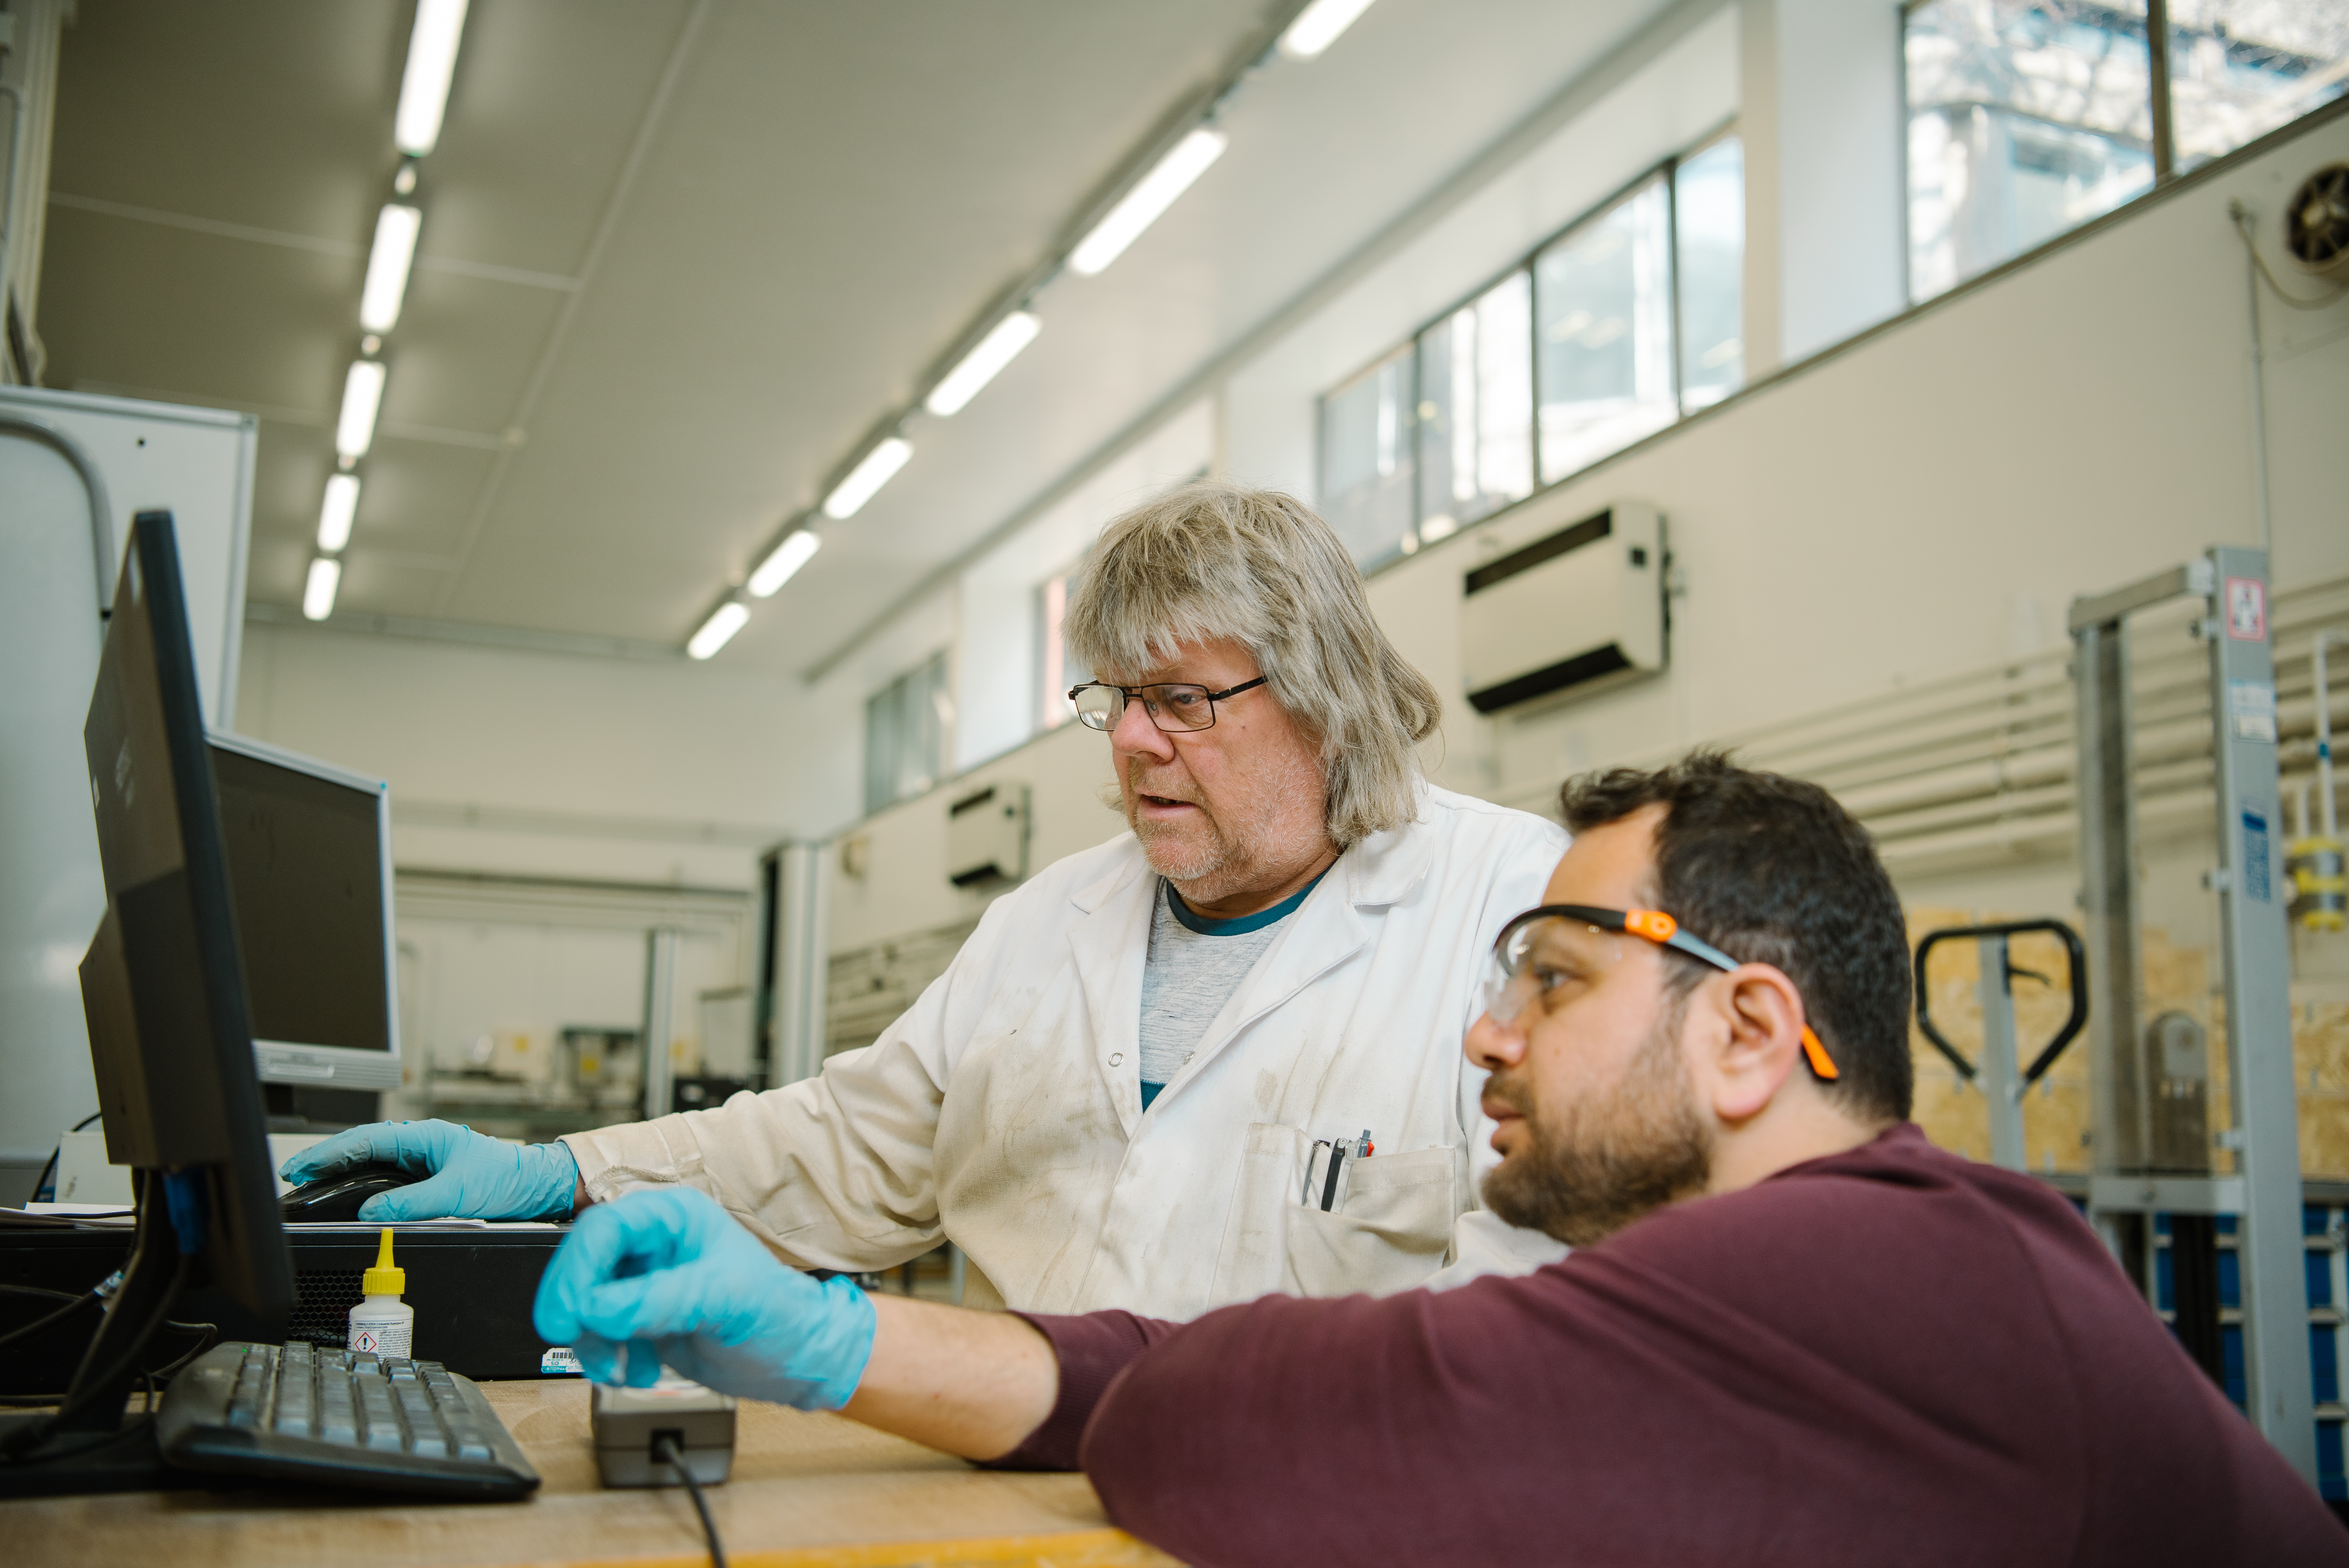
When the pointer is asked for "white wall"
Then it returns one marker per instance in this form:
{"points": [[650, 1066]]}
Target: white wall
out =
{"points": [[1902, 510], [1874, 521], [551, 764], [1687, 91]]}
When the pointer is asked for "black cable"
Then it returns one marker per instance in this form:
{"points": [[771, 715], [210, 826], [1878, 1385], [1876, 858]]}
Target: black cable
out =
{"points": [[87, 1390], [666, 1450], [2242, 217], [209, 1337], [52, 1165], [73, 1304]]}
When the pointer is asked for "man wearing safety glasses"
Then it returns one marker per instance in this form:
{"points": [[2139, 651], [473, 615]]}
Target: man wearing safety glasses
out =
{"points": [[1214, 1056], [1792, 1332]]}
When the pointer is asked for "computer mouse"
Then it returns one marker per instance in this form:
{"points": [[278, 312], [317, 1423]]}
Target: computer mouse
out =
{"points": [[339, 1197]]}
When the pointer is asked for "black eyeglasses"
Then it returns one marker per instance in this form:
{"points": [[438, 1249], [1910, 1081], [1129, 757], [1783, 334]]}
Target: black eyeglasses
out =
{"points": [[1173, 706]]}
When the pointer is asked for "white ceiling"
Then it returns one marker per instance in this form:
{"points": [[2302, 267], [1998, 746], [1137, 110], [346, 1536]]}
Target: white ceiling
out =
{"points": [[592, 435]]}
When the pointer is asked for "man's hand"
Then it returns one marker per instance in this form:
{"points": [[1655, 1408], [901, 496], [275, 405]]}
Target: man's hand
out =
{"points": [[468, 1177], [668, 1277]]}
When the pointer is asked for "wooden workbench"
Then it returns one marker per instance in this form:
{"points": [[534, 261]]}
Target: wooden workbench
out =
{"points": [[807, 1491]]}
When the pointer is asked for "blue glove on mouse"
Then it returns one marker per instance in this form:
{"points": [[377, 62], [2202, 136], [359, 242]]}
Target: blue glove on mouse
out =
{"points": [[666, 1277], [468, 1176]]}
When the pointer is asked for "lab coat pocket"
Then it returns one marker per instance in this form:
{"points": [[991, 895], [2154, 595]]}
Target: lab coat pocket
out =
{"points": [[1256, 1232], [1390, 1231]]}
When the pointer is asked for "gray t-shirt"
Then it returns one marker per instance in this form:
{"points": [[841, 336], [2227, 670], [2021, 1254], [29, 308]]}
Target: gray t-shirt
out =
{"points": [[1194, 965]]}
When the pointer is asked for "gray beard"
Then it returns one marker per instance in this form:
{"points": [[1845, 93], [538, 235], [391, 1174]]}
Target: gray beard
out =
{"points": [[1605, 1163], [1229, 860]]}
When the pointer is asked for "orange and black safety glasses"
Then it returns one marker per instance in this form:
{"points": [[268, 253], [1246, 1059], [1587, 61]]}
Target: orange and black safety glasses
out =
{"points": [[1653, 924]]}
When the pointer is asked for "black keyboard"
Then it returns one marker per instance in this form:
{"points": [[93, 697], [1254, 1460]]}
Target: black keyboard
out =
{"points": [[339, 1417]]}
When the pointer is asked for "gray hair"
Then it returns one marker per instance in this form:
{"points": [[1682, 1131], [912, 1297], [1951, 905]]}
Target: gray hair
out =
{"points": [[1214, 559]]}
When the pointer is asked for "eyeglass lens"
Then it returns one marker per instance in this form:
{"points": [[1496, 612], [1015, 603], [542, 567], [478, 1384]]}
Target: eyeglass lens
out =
{"points": [[1099, 706], [1532, 957]]}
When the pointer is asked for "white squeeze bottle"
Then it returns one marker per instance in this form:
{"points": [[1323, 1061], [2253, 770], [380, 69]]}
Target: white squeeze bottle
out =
{"points": [[383, 1323]]}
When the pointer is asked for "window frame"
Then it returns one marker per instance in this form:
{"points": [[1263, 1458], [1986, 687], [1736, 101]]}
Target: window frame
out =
{"points": [[1667, 170], [2161, 110]]}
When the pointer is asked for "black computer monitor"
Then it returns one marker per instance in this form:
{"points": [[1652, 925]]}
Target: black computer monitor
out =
{"points": [[170, 1036], [309, 868]]}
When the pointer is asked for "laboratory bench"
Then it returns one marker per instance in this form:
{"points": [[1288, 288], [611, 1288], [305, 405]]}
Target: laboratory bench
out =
{"points": [[807, 1491]]}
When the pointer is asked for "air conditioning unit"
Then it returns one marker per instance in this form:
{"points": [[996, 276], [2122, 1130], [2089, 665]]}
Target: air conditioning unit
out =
{"points": [[1578, 611], [987, 836]]}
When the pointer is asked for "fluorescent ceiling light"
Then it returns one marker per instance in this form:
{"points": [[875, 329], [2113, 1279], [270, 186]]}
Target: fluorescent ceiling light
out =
{"points": [[1184, 162], [386, 276], [318, 594], [362, 398], [1318, 26], [424, 87], [716, 632], [879, 466], [996, 350], [786, 558], [334, 516]]}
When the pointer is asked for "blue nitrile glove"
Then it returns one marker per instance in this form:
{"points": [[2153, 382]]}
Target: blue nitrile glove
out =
{"points": [[666, 1277], [468, 1176]]}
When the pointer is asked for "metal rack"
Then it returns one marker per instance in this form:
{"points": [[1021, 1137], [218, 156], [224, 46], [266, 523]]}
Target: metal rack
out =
{"points": [[2133, 1180]]}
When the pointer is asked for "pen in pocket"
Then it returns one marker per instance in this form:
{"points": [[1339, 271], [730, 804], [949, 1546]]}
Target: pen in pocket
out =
{"points": [[1338, 1150]]}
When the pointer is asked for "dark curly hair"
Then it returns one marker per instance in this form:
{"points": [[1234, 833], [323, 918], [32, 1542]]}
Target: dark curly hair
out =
{"points": [[1771, 869]]}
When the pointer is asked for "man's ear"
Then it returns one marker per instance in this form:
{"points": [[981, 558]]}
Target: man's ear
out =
{"points": [[1751, 1041]]}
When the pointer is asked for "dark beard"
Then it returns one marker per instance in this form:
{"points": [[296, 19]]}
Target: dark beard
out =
{"points": [[1597, 1166]]}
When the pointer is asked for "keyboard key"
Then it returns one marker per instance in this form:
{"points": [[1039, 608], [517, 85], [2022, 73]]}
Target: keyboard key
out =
{"points": [[292, 1422], [243, 1414], [430, 1443], [383, 1438], [473, 1445]]}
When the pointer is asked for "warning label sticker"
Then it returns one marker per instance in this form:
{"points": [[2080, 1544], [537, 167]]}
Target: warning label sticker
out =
{"points": [[2247, 609]]}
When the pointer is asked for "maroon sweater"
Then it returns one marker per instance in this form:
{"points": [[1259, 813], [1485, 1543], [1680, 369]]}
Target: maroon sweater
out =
{"points": [[1893, 1356]]}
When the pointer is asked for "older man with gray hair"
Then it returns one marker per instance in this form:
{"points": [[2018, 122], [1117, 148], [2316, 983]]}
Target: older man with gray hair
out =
{"points": [[1214, 1057]]}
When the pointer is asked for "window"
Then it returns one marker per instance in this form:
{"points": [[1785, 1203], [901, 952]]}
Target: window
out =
{"points": [[1475, 410], [1368, 477], [1604, 315], [1709, 223], [1059, 668], [2027, 117], [1631, 318], [905, 726], [2239, 68]]}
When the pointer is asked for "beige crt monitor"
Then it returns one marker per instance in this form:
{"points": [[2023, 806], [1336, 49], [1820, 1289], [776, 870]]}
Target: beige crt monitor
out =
{"points": [[309, 868]]}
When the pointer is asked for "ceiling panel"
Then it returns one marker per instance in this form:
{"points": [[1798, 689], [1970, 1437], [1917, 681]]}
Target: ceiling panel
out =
{"points": [[829, 196]]}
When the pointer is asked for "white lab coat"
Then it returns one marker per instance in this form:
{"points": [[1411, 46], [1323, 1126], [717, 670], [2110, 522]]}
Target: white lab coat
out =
{"points": [[1003, 1110]]}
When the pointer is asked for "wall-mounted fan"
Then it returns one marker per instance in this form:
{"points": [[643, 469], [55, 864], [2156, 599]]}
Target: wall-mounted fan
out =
{"points": [[2316, 220]]}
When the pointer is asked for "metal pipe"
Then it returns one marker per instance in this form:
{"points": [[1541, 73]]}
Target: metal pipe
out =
{"points": [[2242, 216], [101, 515]]}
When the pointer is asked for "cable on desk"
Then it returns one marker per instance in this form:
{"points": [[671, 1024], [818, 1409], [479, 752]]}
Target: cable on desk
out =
{"points": [[73, 1304], [666, 1450]]}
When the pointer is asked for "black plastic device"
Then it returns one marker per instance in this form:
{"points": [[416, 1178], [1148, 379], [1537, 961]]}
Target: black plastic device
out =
{"points": [[171, 1038], [337, 1198]]}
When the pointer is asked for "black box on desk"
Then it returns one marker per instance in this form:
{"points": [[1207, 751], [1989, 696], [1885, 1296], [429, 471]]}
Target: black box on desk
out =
{"points": [[472, 1289]]}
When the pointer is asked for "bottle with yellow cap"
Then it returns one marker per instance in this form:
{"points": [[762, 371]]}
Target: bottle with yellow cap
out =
{"points": [[383, 1323]]}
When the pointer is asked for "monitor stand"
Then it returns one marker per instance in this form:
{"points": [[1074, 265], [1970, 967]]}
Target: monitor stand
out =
{"points": [[98, 1446]]}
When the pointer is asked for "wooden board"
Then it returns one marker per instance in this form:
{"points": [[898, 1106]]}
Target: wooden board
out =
{"points": [[807, 1491]]}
